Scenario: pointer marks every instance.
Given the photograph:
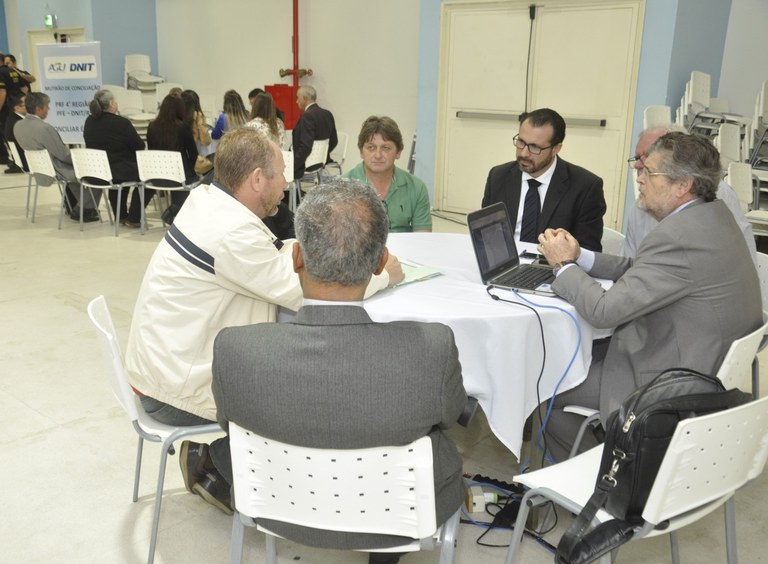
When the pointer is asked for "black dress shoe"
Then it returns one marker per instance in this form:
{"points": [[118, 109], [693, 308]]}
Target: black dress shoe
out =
{"points": [[90, 215], [13, 168], [195, 462], [215, 490]]}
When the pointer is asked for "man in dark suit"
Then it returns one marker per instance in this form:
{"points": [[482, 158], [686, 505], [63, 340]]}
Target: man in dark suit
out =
{"points": [[314, 124], [542, 191], [690, 292], [335, 367], [18, 111]]}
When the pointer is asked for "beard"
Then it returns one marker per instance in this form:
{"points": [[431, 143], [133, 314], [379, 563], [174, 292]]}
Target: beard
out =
{"points": [[529, 166]]}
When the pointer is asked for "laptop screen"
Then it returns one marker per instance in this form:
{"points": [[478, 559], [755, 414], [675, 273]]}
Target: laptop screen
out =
{"points": [[493, 240]]}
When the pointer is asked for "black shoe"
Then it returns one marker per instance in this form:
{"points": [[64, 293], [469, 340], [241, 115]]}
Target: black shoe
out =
{"points": [[13, 168], [194, 461], [90, 215], [130, 223], [215, 490]]}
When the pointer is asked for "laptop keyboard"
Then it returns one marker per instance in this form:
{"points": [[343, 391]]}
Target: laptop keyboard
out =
{"points": [[528, 278]]}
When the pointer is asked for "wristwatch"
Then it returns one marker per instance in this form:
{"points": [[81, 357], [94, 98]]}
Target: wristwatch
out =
{"points": [[558, 265]]}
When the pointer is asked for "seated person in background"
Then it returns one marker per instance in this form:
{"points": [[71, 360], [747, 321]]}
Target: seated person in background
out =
{"points": [[405, 197], [641, 222], [194, 116], [106, 130], [18, 112], [169, 132], [252, 99], [33, 133], [218, 266], [315, 123], [690, 292], [264, 117], [543, 191], [334, 366], [233, 116]]}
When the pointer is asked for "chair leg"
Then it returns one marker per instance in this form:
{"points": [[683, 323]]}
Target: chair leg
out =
{"points": [[517, 533], [63, 199], [137, 474], [730, 531], [448, 542], [167, 448], [29, 193], [271, 543], [674, 547], [34, 205], [236, 543], [143, 216]]}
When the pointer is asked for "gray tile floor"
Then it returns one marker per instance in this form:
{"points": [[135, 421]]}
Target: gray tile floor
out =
{"points": [[68, 450]]}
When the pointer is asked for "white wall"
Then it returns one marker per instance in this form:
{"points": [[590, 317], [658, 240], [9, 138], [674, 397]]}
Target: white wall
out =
{"points": [[745, 65], [368, 67]]}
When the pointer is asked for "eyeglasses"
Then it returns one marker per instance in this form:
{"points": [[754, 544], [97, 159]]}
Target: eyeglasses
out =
{"points": [[532, 149], [646, 172], [636, 159]]}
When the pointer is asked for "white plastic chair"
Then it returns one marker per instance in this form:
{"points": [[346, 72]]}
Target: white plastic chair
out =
{"points": [[317, 156], [385, 490], [339, 153], [611, 241], [708, 460], [41, 166], [164, 166], [656, 115], [728, 142], [736, 371], [93, 171], [138, 73], [146, 427]]}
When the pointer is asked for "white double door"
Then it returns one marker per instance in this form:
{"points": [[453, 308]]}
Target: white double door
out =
{"points": [[577, 57]]}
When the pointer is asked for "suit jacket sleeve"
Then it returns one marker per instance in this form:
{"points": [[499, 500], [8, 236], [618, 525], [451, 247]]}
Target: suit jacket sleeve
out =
{"points": [[56, 146], [660, 277], [454, 396]]}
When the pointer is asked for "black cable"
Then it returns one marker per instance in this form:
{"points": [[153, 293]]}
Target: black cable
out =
{"points": [[543, 363], [532, 15]]}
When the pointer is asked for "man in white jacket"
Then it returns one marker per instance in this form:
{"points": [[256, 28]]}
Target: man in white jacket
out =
{"points": [[218, 266]]}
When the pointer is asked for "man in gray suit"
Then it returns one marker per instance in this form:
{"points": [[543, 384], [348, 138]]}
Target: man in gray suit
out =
{"points": [[690, 292], [335, 379], [33, 134]]}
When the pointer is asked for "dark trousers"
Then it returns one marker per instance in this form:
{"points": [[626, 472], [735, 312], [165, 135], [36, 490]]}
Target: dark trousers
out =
{"points": [[132, 213]]}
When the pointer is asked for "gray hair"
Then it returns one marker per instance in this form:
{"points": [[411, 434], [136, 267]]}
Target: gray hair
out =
{"points": [[662, 129], [100, 102], [690, 156], [35, 100], [239, 153], [308, 92], [342, 228]]}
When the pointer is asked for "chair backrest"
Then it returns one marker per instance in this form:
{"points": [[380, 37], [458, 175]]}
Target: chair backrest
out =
{"points": [[611, 241], [131, 102], [708, 459], [736, 369], [762, 274], [117, 91], [739, 178], [137, 62], [728, 142], [288, 140], [656, 115], [40, 163], [160, 165], [288, 158], [102, 320], [91, 163], [339, 153], [386, 490], [318, 154], [700, 90]]}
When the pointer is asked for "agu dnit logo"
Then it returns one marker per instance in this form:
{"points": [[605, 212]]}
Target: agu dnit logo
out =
{"points": [[70, 67]]}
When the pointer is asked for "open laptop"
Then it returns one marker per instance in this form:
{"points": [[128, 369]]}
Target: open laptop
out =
{"points": [[494, 244]]}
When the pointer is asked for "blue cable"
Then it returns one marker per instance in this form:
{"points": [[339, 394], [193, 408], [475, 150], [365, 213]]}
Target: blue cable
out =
{"points": [[567, 368]]}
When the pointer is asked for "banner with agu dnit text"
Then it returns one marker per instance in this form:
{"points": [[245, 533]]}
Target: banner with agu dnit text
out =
{"points": [[70, 73]]}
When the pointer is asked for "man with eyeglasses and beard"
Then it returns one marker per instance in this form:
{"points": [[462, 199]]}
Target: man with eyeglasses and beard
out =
{"points": [[543, 191], [689, 293]]}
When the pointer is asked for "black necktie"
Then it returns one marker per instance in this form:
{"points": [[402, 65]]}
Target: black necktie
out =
{"points": [[529, 229]]}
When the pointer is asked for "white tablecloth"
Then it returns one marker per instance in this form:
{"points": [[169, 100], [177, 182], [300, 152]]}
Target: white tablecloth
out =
{"points": [[499, 344]]}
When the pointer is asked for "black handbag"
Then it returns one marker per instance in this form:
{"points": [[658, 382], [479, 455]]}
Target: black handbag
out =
{"points": [[637, 437]]}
